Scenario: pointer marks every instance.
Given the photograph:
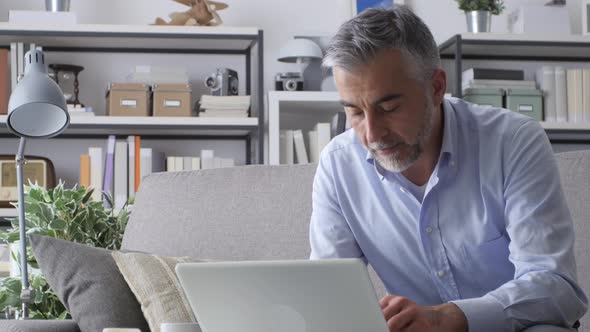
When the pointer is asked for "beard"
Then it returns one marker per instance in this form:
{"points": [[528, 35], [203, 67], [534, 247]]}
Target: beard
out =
{"points": [[395, 162]]}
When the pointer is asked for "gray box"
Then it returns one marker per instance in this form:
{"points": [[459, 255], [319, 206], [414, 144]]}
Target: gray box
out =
{"points": [[525, 101], [484, 96]]}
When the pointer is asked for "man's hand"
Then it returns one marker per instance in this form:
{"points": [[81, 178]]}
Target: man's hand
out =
{"points": [[401, 314]]}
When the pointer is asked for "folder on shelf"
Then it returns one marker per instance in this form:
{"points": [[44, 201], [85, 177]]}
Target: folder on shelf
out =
{"points": [[300, 151], [287, 154], [207, 159], [3, 81], [178, 164], [546, 79], [574, 95], [171, 164], [109, 168], [187, 163], [131, 166], [195, 163], [120, 194], [314, 155], [323, 136], [137, 162], [96, 167], [561, 95], [586, 95], [84, 180]]}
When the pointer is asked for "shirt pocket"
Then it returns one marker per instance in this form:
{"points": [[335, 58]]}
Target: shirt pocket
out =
{"points": [[488, 263]]}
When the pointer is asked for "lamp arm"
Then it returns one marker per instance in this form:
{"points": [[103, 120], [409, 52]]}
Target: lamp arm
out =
{"points": [[26, 293]]}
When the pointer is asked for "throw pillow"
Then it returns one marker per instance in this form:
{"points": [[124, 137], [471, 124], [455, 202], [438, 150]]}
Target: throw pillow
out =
{"points": [[155, 285], [89, 284]]}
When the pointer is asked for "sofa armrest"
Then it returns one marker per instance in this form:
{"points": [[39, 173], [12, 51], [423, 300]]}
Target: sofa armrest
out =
{"points": [[38, 326]]}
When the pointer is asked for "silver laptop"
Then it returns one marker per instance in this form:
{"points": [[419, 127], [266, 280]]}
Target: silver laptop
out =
{"points": [[282, 296]]}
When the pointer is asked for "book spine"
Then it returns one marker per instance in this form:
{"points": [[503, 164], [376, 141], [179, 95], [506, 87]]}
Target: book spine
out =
{"points": [[560, 95], [131, 166], [109, 169], [120, 194], [137, 162], [547, 84], [84, 180]]}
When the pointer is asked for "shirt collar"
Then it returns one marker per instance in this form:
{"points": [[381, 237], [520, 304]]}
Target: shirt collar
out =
{"points": [[449, 142]]}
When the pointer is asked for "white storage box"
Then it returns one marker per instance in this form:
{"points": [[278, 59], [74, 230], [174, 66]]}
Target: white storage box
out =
{"points": [[539, 19]]}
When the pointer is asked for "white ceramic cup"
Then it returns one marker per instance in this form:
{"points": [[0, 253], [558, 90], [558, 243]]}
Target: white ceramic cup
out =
{"points": [[180, 327]]}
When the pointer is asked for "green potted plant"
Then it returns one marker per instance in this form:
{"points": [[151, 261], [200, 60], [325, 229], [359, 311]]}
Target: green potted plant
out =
{"points": [[479, 13], [67, 214]]}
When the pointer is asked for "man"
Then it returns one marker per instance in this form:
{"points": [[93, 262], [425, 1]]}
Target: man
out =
{"points": [[457, 207]]}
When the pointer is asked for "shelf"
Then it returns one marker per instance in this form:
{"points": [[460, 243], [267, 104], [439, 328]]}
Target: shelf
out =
{"points": [[139, 38], [560, 132], [297, 101], [7, 212], [156, 126], [496, 46]]}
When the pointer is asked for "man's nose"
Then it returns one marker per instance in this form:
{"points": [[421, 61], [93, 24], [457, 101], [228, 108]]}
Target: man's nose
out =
{"points": [[375, 128]]}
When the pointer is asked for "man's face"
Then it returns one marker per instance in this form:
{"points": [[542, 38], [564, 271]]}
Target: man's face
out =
{"points": [[389, 110]]}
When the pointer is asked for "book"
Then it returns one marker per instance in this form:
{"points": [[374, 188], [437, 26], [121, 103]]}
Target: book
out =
{"points": [[151, 162], [560, 95], [120, 192], [314, 154], [323, 136], [546, 81], [178, 164], [287, 152], [96, 166], [492, 74], [84, 180], [207, 159], [300, 151], [109, 169], [137, 162], [131, 166], [338, 124], [171, 164], [4, 78], [195, 163], [187, 164], [574, 95], [586, 94]]}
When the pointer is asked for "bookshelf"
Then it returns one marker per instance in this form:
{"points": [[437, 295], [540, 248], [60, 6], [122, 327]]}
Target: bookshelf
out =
{"points": [[299, 110], [521, 47], [161, 41]]}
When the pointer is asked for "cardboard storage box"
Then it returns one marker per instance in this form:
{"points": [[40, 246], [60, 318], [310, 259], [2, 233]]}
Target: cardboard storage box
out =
{"points": [[525, 101], [172, 100], [484, 96], [128, 99]]}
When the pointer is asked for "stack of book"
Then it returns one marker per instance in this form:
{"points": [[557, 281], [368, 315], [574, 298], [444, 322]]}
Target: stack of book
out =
{"points": [[495, 78], [566, 93], [119, 171], [77, 110], [293, 147], [224, 106], [207, 160]]}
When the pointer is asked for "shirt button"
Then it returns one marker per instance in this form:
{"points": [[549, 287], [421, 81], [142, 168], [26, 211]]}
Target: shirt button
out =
{"points": [[441, 274], [428, 229]]}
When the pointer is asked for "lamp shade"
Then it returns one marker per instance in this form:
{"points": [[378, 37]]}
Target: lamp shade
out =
{"points": [[37, 107], [299, 50]]}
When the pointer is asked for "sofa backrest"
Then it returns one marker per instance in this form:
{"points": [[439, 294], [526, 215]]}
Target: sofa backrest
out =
{"points": [[574, 169], [239, 213]]}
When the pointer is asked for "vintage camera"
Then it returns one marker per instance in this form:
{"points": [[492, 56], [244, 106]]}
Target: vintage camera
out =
{"points": [[224, 82], [289, 82]]}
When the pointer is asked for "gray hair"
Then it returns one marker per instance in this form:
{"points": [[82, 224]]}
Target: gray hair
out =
{"points": [[360, 39]]}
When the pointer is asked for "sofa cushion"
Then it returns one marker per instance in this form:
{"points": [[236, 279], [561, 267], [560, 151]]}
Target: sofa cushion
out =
{"points": [[89, 284], [155, 285]]}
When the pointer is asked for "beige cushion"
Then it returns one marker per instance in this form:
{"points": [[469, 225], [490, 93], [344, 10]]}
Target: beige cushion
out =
{"points": [[153, 281]]}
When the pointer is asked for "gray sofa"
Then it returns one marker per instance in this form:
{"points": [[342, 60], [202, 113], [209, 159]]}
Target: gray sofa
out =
{"points": [[262, 212]]}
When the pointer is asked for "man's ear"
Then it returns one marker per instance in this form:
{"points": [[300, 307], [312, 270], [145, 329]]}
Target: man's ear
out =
{"points": [[439, 86]]}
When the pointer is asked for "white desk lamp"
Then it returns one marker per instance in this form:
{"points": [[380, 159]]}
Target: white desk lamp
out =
{"points": [[37, 109], [300, 51]]}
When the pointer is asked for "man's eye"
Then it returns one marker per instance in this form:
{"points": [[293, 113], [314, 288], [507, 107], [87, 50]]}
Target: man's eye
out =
{"points": [[390, 109]]}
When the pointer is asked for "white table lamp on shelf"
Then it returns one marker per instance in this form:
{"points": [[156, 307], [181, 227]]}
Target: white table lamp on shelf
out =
{"points": [[301, 52], [36, 109]]}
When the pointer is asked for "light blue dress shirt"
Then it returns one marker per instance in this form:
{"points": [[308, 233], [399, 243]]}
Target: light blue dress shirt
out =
{"points": [[492, 234]]}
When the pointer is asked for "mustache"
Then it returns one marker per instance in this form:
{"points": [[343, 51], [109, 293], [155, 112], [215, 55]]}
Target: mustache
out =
{"points": [[383, 145]]}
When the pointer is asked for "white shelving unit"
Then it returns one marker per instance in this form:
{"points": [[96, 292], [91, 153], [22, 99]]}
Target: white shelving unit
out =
{"points": [[300, 109], [176, 126]]}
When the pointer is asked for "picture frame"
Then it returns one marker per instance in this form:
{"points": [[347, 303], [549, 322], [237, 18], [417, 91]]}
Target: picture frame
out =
{"points": [[357, 6], [586, 17]]}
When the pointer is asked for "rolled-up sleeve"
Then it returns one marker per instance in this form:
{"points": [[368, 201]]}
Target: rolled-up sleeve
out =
{"points": [[544, 289], [330, 235]]}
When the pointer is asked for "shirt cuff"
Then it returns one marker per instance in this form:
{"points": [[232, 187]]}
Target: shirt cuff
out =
{"points": [[483, 314]]}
